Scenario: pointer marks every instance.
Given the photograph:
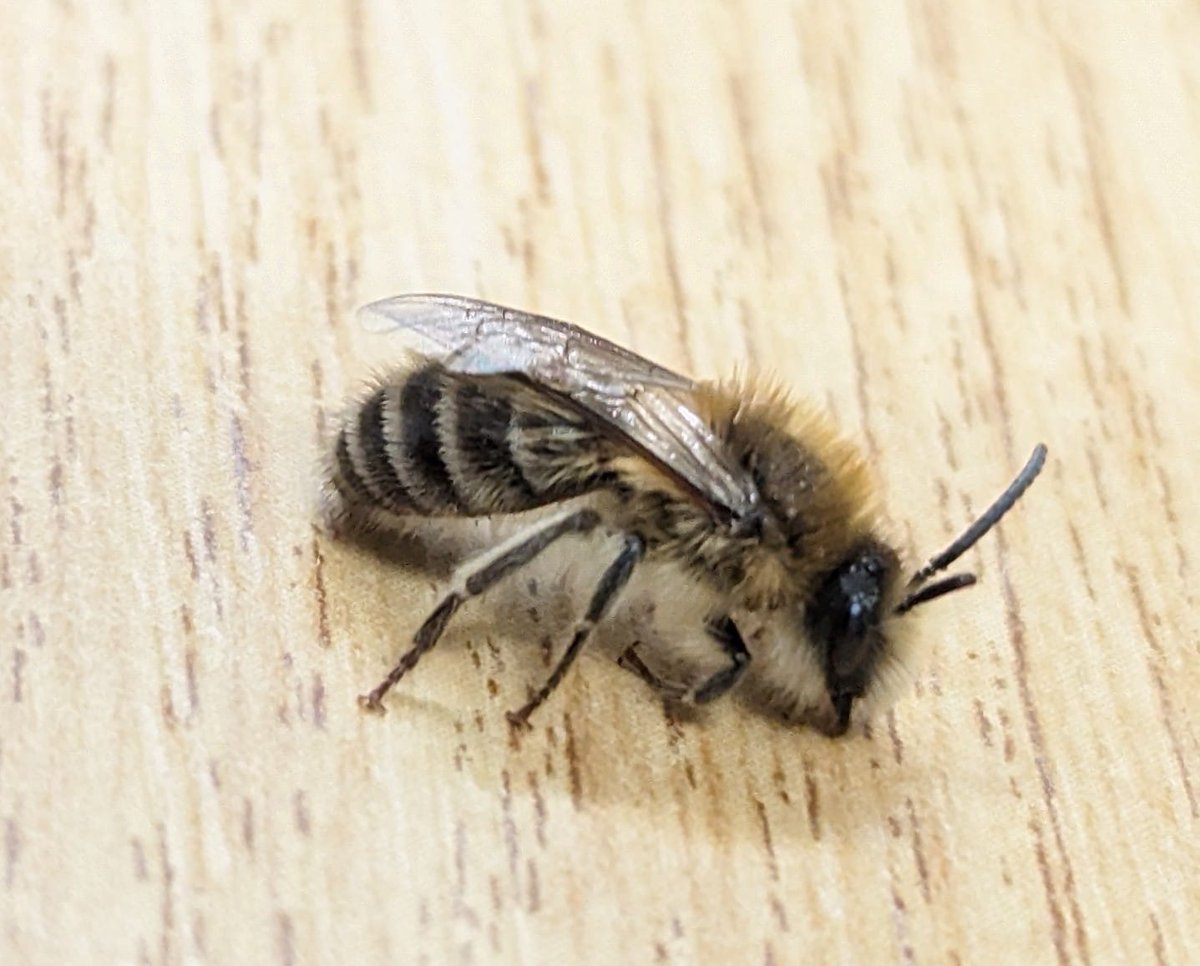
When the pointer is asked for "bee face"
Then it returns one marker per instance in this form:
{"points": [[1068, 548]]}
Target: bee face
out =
{"points": [[844, 622]]}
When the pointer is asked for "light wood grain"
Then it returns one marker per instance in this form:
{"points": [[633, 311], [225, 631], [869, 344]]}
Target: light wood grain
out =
{"points": [[964, 227]]}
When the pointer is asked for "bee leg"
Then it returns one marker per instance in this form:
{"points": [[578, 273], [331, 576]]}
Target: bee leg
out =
{"points": [[478, 576], [614, 578], [724, 631], [631, 662]]}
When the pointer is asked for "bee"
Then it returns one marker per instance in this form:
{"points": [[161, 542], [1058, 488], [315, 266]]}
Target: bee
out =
{"points": [[752, 498]]}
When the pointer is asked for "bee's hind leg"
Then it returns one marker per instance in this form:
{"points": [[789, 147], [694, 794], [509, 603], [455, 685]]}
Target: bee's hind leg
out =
{"points": [[476, 577], [611, 583]]}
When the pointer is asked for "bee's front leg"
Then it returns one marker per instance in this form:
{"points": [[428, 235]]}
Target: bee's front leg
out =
{"points": [[630, 661], [724, 632]]}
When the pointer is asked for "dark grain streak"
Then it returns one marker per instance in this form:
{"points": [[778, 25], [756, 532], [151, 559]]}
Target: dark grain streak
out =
{"points": [[1097, 474], [190, 553], [16, 509], [1098, 171], [358, 52], [1016, 627], [242, 469], [768, 844], [18, 667], [918, 847], [245, 363], [1010, 745], [663, 197], [300, 812], [318, 391], [893, 281], [12, 851], [860, 368], [532, 105], [193, 691], [509, 825], [60, 315], [55, 482], [461, 910], [287, 939], [167, 707], [900, 925], [834, 188], [745, 133], [894, 736], [1160, 953], [1014, 259], [947, 441], [533, 890], [140, 870], [167, 911], [539, 808], [1157, 666], [37, 632], [323, 633], [812, 804], [780, 912], [208, 530], [318, 701], [985, 726], [108, 101], [987, 339], [572, 754], [248, 825], [1081, 560], [1033, 727], [1057, 920]]}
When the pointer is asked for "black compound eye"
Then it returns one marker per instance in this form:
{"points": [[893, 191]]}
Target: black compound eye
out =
{"points": [[845, 617], [860, 585]]}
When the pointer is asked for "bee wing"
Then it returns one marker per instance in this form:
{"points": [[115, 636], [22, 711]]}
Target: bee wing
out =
{"points": [[648, 404]]}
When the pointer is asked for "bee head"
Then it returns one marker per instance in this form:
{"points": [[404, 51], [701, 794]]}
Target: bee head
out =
{"points": [[844, 619], [853, 600]]}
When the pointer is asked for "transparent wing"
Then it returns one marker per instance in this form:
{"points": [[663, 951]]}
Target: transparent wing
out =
{"points": [[648, 404]]}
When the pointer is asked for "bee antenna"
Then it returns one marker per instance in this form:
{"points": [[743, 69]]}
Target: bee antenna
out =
{"points": [[944, 586], [988, 519]]}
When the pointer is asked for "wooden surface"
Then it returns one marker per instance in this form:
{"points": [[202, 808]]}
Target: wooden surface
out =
{"points": [[964, 227]]}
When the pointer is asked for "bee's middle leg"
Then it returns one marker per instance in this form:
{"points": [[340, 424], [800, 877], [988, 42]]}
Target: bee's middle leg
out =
{"points": [[476, 577], [614, 579]]}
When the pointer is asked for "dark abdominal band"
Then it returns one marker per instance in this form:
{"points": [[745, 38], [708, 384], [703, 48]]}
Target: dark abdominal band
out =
{"points": [[442, 444]]}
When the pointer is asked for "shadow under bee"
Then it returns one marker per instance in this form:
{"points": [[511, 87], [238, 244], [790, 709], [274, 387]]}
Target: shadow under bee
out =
{"points": [[523, 621], [608, 737]]}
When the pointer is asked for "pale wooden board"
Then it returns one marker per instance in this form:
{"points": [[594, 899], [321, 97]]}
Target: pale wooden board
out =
{"points": [[964, 227]]}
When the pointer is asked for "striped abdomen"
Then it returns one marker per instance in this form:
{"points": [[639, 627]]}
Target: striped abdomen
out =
{"points": [[432, 442]]}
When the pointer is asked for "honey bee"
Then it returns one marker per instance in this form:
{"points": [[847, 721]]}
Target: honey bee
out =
{"points": [[754, 499]]}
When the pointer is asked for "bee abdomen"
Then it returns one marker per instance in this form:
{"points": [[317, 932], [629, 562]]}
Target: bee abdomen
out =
{"points": [[437, 443]]}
